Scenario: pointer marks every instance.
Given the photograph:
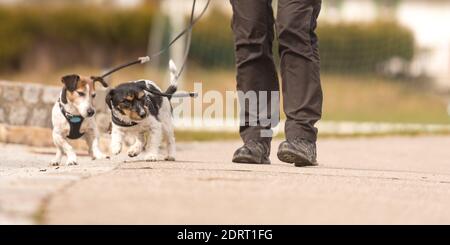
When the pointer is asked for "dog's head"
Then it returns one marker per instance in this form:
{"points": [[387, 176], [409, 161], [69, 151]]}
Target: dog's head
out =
{"points": [[129, 100], [80, 93]]}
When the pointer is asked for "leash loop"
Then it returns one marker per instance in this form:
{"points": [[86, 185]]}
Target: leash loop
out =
{"points": [[145, 59]]}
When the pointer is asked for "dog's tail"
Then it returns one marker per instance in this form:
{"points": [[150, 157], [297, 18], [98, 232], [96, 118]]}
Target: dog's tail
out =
{"points": [[173, 78]]}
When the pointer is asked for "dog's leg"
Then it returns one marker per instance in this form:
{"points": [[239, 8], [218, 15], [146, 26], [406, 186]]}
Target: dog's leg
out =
{"points": [[92, 140], [170, 138], [59, 152], [66, 147], [138, 145], [116, 140], [155, 142]]}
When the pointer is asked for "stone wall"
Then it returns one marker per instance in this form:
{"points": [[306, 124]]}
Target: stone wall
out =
{"points": [[27, 104]]}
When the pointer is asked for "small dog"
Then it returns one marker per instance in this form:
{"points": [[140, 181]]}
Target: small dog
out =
{"points": [[139, 107], [73, 118]]}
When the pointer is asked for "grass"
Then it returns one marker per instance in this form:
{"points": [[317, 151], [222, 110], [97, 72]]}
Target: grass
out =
{"points": [[346, 97], [364, 98]]}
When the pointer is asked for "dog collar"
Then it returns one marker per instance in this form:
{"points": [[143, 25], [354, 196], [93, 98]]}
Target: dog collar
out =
{"points": [[74, 121], [121, 123]]}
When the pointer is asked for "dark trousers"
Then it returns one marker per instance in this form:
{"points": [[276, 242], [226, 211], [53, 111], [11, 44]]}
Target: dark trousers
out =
{"points": [[253, 28]]}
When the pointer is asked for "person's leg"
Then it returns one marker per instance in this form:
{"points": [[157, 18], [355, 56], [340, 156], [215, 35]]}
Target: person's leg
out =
{"points": [[300, 71], [252, 25]]}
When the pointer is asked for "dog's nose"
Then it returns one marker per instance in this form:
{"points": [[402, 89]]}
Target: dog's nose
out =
{"points": [[142, 113], [90, 112]]}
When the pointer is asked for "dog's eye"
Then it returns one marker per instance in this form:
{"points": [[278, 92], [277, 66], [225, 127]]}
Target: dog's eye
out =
{"points": [[81, 94], [93, 95]]}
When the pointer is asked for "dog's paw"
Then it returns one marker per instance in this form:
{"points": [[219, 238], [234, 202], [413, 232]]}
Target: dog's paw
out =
{"points": [[134, 152], [169, 159], [116, 149], [55, 163], [100, 156], [151, 157], [71, 163]]}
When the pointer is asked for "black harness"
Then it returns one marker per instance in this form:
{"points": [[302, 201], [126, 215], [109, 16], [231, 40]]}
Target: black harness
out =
{"points": [[74, 121]]}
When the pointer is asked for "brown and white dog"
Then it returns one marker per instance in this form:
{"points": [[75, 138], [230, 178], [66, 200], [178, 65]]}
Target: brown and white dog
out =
{"points": [[73, 118]]}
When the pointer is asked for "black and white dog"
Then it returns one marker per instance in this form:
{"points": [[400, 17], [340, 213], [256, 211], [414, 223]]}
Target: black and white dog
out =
{"points": [[138, 108], [73, 118]]}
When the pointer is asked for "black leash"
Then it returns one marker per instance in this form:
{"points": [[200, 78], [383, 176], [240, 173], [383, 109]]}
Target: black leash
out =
{"points": [[189, 37], [143, 60]]}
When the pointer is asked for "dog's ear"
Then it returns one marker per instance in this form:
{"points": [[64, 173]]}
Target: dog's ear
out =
{"points": [[151, 107], [142, 85], [70, 82], [108, 98], [64, 96]]}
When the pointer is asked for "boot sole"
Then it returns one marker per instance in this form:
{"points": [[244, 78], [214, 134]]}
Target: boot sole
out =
{"points": [[289, 156], [247, 159]]}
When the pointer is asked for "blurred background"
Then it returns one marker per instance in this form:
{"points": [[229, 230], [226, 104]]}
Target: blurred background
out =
{"points": [[382, 60]]}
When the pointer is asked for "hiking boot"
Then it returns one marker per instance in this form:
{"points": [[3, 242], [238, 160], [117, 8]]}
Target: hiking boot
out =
{"points": [[299, 151], [253, 152]]}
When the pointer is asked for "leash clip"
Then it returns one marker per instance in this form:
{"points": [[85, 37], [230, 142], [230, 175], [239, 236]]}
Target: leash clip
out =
{"points": [[144, 59]]}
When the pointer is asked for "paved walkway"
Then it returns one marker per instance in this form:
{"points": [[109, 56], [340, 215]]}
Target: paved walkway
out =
{"points": [[389, 180]]}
